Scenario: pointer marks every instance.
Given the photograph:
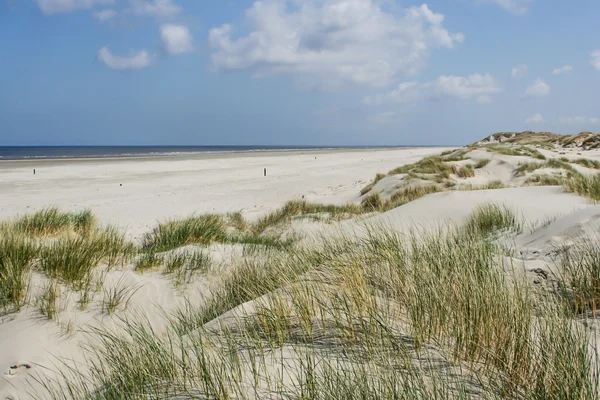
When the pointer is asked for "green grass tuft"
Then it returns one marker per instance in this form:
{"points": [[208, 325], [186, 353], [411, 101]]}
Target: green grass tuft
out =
{"points": [[51, 221], [491, 218], [203, 229]]}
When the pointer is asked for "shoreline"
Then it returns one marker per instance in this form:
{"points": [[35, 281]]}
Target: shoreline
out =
{"points": [[214, 154]]}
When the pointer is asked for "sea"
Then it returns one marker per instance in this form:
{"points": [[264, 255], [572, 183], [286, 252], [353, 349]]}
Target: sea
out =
{"points": [[66, 152]]}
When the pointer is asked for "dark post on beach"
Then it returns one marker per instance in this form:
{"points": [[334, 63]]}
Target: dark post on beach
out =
{"points": [[34, 171], [265, 172]]}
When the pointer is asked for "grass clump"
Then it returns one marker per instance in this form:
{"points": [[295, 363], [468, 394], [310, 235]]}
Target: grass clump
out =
{"points": [[428, 165], [551, 163], [238, 221], [482, 163], [295, 208], [466, 171], [584, 185], [203, 229], [16, 255], [592, 164], [51, 221], [490, 218], [148, 261], [515, 151], [544, 180], [371, 185], [497, 184], [184, 266], [72, 258], [117, 296], [48, 302]]}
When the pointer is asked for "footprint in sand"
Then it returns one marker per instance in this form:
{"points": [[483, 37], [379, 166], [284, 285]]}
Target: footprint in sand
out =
{"points": [[15, 369]]}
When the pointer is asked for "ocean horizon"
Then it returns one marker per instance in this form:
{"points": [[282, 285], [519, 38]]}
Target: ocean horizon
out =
{"points": [[70, 152]]}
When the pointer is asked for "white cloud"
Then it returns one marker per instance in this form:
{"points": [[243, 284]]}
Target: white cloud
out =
{"points": [[514, 6], [105, 15], [332, 42], [176, 39], [475, 86], [158, 8], [580, 120], [596, 59], [62, 6], [562, 70], [519, 72], [535, 119], [539, 88], [138, 60]]}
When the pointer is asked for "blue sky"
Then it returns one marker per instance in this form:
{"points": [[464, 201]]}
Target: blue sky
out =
{"points": [[292, 72]]}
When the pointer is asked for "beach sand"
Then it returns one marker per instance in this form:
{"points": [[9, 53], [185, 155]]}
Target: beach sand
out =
{"points": [[135, 194], [157, 188]]}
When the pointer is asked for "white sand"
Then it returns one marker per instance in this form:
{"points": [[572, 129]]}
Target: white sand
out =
{"points": [[155, 189]]}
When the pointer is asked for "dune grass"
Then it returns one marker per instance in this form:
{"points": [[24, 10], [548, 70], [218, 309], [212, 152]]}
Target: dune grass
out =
{"points": [[428, 165], [370, 186], [551, 163], [296, 208], [169, 235], [382, 316], [490, 218], [466, 171], [584, 185], [17, 252], [117, 296], [51, 221], [515, 150], [581, 280], [544, 180], [482, 163], [184, 266], [72, 259], [586, 162], [48, 302]]}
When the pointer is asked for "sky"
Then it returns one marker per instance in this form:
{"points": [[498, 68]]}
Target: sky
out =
{"points": [[295, 72]]}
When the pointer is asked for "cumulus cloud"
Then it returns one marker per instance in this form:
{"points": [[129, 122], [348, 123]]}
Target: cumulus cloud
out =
{"points": [[63, 6], [596, 59], [475, 86], [580, 120], [105, 15], [514, 6], [535, 119], [562, 70], [136, 61], [519, 72], [332, 42], [158, 8], [176, 39], [539, 88]]}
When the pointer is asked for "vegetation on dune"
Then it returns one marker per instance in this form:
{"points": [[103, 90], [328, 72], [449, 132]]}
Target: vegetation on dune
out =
{"points": [[511, 150], [551, 163], [17, 252], [72, 259], [544, 180], [51, 221], [428, 165], [586, 162], [370, 186], [383, 316], [584, 185], [482, 163], [202, 229], [466, 171]]}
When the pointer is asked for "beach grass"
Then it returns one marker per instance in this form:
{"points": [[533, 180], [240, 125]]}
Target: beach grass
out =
{"points": [[383, 316], [17, 252], [72, 259], [51, 221], [584, 185], [200, 229]]}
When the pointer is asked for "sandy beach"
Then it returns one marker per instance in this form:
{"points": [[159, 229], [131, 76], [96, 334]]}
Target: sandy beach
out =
{"points": [[233, 255], [157, 188]]}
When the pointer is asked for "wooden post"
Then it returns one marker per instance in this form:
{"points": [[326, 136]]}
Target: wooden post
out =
{"points": [[265, 172], [34, 171]]}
